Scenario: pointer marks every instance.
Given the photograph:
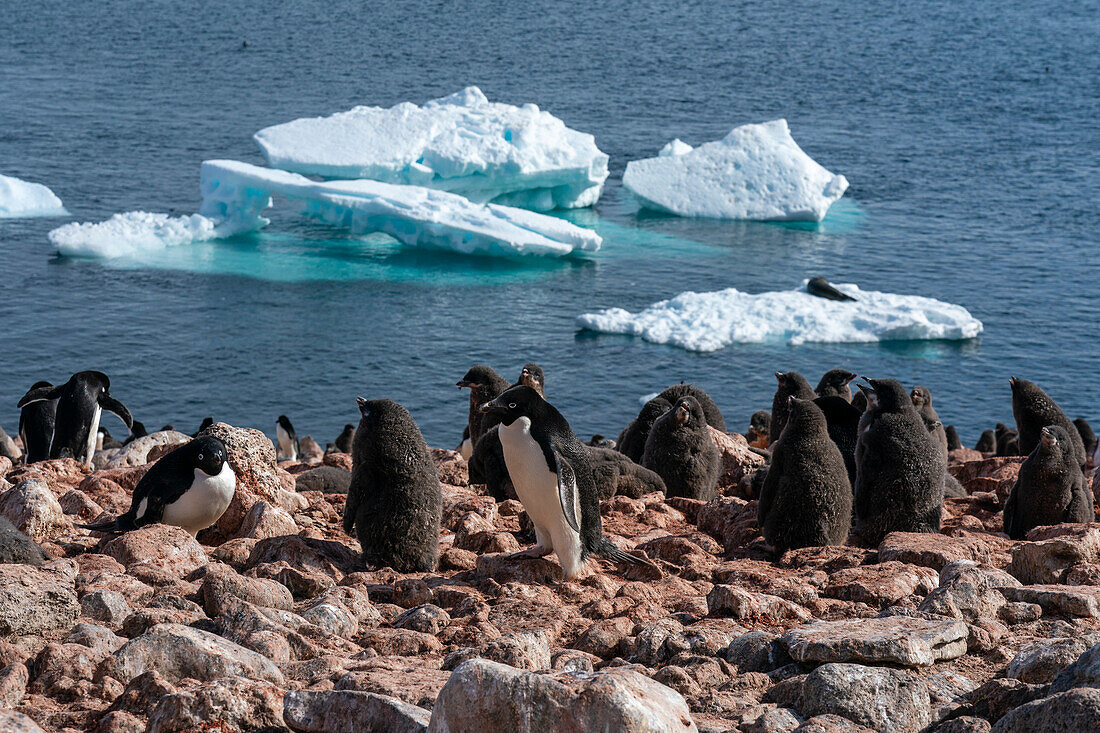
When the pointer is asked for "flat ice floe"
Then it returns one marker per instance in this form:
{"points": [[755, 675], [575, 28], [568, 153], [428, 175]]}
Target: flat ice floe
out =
{"points": [[711, 321], [19, 198], [755, 172], [486, 151], [236, 194]]}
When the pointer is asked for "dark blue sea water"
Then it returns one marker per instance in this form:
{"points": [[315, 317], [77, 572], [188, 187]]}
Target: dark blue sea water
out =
{"points": [[968, 131]]}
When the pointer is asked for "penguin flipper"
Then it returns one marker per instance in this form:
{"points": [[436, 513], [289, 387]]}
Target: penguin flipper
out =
{"points": [[110, 404], [568, 494], [41, 394]]}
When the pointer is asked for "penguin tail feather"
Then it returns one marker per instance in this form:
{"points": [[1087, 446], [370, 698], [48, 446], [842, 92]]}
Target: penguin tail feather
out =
{"points": [[606, 549], [111, 527]]}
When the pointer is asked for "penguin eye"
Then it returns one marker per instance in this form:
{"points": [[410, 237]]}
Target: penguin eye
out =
{"points": [[200, 456], [511, 405]]}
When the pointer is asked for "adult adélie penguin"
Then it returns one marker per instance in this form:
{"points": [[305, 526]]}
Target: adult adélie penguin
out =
{"points": [[552, 475], [191, 487], [80, 403]]}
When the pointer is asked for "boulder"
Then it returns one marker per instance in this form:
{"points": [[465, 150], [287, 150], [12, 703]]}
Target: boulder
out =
{"points": [[882, 584], [251, 455], [1050, 552], [726, 600], [1040, 662], [13, 684], [965, 592], [37, 599], [137, 452], [1065, 712], [880, 698], [176, 652], [221, 581], [158, 547], [264, 520], [34, 511], [736, 458], [227, 706], [1066, 600], [13, 722], [484, 695], [936, 550], [347, 711], [1084, 672], [912, 642], [326, 479], [18, 548]]}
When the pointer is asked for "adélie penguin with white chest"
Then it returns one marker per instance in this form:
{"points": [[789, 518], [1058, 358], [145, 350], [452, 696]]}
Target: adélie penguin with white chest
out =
{"points": [[80, 403], [553, 478], [191, 487], [286, 440]]}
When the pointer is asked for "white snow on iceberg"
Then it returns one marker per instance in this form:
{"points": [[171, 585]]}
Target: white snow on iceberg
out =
{"points": [[19, 198], [711, 321], [486, 151], [755, 172], [675, 147], [133, 233]]}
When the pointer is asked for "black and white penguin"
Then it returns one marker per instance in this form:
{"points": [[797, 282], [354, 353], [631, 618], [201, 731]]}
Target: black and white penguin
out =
{"points": [[80, 403], [552, 475], [36, 422], [344, 440], [836, 383], [286, 440], [191, 487], [487, 465], [1050, 488], [395, 503], [106, 441], [788, 384]]}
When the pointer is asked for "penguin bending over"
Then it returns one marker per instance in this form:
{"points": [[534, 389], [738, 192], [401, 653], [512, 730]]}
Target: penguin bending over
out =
{"points": [[1034, 410], [682, 452], [1050, 488], [286, 440], [789, 384], [836, 383], [80, 403], [552, 474], [631, 442], [710, 410], [806, 500], [899, 468], [617, 475], [191, 487], [36, 423], [395, 503]]}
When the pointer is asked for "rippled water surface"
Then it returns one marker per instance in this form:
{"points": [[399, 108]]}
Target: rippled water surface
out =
{"points": [[967, 130]]}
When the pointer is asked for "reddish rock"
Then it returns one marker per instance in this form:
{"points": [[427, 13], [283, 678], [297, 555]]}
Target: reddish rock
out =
{"points": [[32, 508], [339, 460], [880, 585], [1068, 600], [893, 639], [725, 600], [737, 459], [936, 550], [264, 520], [1051, 552], [157, 546], [37, 599], [996, 474]]}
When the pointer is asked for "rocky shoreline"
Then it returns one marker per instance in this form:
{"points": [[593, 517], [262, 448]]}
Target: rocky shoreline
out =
{"points": [[266, 621]]}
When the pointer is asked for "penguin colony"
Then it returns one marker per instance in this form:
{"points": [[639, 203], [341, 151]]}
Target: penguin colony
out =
{"points": [[841, 467]]}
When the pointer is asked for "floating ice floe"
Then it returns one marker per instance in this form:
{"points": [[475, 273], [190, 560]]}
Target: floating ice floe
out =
{"points": [[236, 194], [711, 321], [463, 143], [755, 172], [19, 198]]}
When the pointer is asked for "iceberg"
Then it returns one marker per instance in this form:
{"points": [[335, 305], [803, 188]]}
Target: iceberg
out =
{"points": [[236, 194], [755, 172], [462, 143], [19, 198], [712, 321], [133, 233]]}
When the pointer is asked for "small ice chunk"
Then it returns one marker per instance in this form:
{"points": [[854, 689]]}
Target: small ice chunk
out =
{"points": [[19, 198], [711, 321], [132, 233], [463, 143], [756, 172], [676, 147]]}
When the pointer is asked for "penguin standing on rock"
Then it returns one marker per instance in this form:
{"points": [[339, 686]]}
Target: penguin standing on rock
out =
{"points": [[681, 451], [395, 503], [1007, 440], [836, 383], [987, 442], [36, 423], [842, 424], [484, 384], [1050, 488], [710, 410], [899, 468], [286, 443], [806, 500], [631, 442], [80, 403], [552, 474], [790, 384], [953, 442], [343, 441], [1034, 410], [191, 487]]}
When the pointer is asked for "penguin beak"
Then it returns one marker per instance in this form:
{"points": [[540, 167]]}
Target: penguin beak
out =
{"points": [[492, 406], [1048, 437], [463, 383], [682, 414], [848, 379]]}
